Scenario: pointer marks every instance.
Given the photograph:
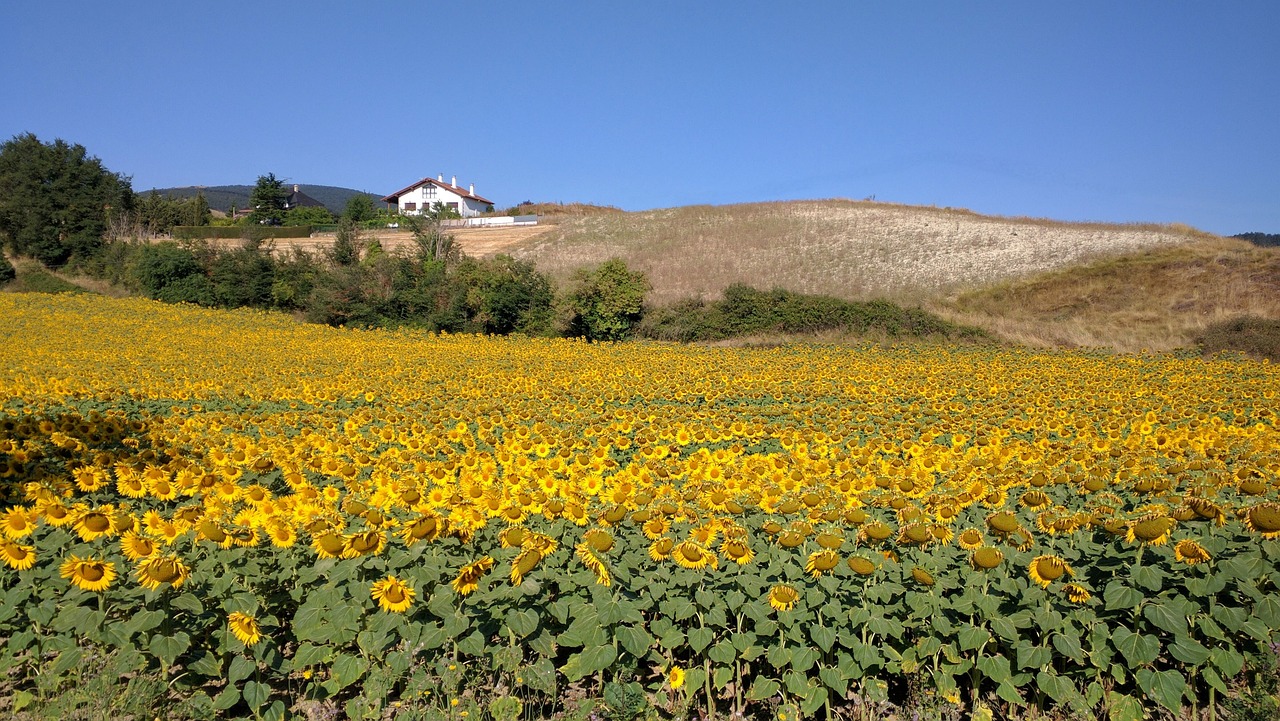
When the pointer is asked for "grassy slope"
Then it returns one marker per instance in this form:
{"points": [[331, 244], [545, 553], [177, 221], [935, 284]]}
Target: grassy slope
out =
{"points": [[848, 249], [1157, 299], [35, 278]]}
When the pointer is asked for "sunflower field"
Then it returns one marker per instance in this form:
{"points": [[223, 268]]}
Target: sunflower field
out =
{"points": [[282, 520]]}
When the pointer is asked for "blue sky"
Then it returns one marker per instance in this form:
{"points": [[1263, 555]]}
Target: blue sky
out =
{"points": [[1117, 111]]}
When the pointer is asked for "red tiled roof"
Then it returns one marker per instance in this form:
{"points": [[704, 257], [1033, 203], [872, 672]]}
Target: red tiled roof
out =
{"points": [[439, 184]]}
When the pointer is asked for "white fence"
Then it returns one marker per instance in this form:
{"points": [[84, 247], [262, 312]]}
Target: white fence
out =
{"points": [[491, 222]]}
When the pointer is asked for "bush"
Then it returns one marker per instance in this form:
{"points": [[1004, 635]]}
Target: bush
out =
{"points": [[7, 272], [747, 311], [1248, 334], [251, 232], [163, 264], [608, 301]]}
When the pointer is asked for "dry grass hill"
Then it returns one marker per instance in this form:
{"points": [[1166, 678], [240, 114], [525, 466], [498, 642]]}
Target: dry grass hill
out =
{"points": [[850, 249]]}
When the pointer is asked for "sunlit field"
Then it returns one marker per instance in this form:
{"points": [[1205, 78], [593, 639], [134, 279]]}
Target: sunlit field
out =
{"points": [[276, 519]]}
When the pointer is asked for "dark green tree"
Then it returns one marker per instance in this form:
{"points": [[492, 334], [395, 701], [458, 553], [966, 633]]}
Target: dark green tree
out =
{"points": [[607, 302], [346, 245], [56, 200], [308, 215], [267, 200], [198, 212], [359, 208]]}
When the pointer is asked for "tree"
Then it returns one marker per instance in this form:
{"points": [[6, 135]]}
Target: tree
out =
{"points": [[608, 301], [308, 215], [198, 212], [56, 200], [359, 208], [268, 199], [345, 250]]}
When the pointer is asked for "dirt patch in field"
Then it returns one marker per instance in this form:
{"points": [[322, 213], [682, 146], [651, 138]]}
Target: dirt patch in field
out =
{"points": [[475, 242]]}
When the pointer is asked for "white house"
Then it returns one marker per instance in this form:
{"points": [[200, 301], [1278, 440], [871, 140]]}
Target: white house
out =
{"points": [[425, 193]]}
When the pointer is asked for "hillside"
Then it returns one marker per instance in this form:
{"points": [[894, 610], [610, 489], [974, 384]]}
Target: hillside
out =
{"points": [[1158, 299], [855, 250], [222, 197]]}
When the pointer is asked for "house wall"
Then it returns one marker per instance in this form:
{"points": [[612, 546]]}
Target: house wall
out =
{"points": [[420, 197]]}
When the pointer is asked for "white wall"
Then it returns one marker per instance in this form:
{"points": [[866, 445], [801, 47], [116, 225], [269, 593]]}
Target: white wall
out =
{"points": [[467, 207]]}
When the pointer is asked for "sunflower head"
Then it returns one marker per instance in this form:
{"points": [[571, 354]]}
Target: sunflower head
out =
{"points": [[737, 550], [393, 594], [690, 555], [1151, 530], [16, 555], [821, 562], [1047, 569], [970, 539], [156, 570], [661, 548], [861, 565], [783, 597], [986, 558], [1076, 593], [90, 574], [1190, 552], [1003, 522], [244, 627], [1264, 519]]}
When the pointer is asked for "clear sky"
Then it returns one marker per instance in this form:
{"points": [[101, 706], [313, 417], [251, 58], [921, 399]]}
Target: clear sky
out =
{"points": [[1139, 110]]}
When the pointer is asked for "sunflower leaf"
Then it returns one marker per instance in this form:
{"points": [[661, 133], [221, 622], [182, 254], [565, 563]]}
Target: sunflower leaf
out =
{"points": [[1167, 687], [1165, 619], [763, 688]]}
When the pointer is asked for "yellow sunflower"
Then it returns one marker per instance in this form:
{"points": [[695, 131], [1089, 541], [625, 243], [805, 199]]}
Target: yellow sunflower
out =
{"points": [[94, 524], [328, 544], [970, 539], [1264, 519], [690, 555], [1190, 552], [783, 597], [737, 550], [428, 528], [1047, 569], [244, 627], [16, 555], [1076, 593], [593, 562], [136, 546], [91, 574], [922, 577], [523, 563], [821, 562], [675, 677], [156, 570], [469, 576], [661, 548], [392, 594], [1150, 530], [986, 558], [18, 522], [861, 565]]}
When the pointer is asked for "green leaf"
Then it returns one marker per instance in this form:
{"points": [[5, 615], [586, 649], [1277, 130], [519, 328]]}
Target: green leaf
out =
{"points": [[763, 688], [145, 620], [241, 668], [1121, 707], [1149, 577], [168, 648], [823, 636], [1119, 596], [1030, 656], [972, 637], [1167, 687], [522, 623], [67, 660], [187, 602], [1137, 649], [255, 694], [721, 676], [1214, 680], [700, 638], [589, 661], [1189, 651], [309, 655], [1166, 619], [813, 700], [803, 658], [1228, 661], [723, 652], [346, 670], [834, 680], [1005, 629], [206, 664], [635, 640], [229, 697], [996, 668], [1268, 611], [1068, 645], [1054, 686]]}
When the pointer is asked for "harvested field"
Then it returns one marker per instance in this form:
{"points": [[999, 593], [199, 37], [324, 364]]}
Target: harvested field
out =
{"points": [[475, 242]]}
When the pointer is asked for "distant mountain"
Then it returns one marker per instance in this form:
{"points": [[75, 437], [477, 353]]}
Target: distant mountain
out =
{"points": [[222, 197]]}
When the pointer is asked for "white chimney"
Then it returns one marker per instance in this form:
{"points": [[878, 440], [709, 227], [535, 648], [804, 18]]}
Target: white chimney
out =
{"points": [[455, 181], [472, 190], [440, 177], [295, 188]]}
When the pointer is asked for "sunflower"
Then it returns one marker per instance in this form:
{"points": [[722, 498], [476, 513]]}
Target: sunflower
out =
{"points": [[970, 539], [523, 563], [469, 576], [783, 597], [136, 547], [737, 550], [655, 527], [513, 536], [874, 532], [427, 527], [593, 562], [282, 533], [1003, 523], [156, 570], [661, 548], [1047, 569], [93, 524], [675, 677], [18, 522], [328, 544], [16, 555], [91, 574], [915, 534], [599, 539], [1034, 499], [56, 514], [921, 576], [392, 594], [821, 562], [1190, 552], [1151, 530], [861, 565], [690, 555], [986, 558], [367, 543], [1076, 593], [1264, 518], [244, 627]]}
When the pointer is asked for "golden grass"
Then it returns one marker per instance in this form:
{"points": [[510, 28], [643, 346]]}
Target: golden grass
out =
{"points": [[1158, 299], [855, 250]]}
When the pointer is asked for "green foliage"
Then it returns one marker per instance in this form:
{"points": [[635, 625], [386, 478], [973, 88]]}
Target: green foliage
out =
{"points": [[165, 271], [359, 208], [1251, 335], [1263, 240], [243, 277], [746, 311], [1258, 700], [7, 271], [294, 280], [507, 295], [247, 232], [308, 215], [157, 214], [267, 200], [440, 211], [56, 201], [29, 276], [607, 302]]}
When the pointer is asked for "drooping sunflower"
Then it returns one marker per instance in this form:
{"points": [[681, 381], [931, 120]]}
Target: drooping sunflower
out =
{"points": [[328, 544], [915, 534], [16, 555], [600, 540], [427, 527], [783, 597], [513, 536], [969, 539], [1047, 569], [91, 574], [661, 548], [244, 627], [861, 565], [93, 524], [594, 562], [690, 555], [874, 532], [655, 527], [156, 570], [470, 574], [282, 533], [1003, 523], [1264, 519], [1190, 552], [136, 546], [1076, 593], [523, 563], [986, 558], [1151, 530], [821, 562], [392, 594], [737, 550], [922, 577]]}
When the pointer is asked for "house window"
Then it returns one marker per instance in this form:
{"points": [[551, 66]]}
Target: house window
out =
{"points": [[410, 206], [452, 205], [429, 191]]}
